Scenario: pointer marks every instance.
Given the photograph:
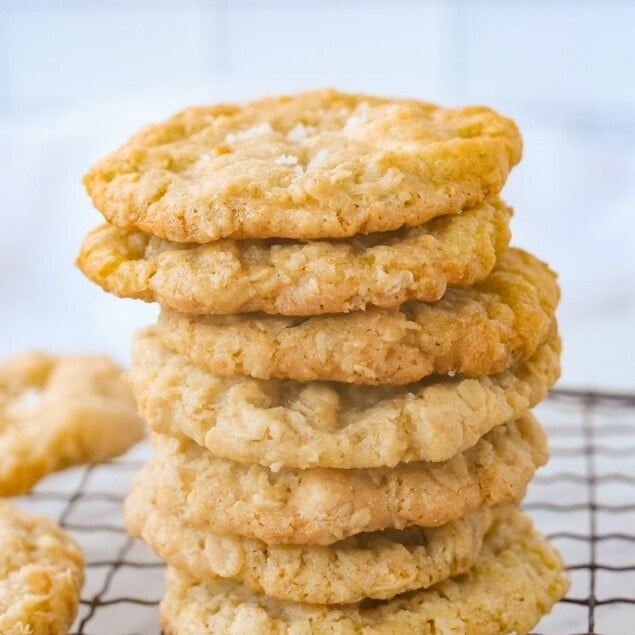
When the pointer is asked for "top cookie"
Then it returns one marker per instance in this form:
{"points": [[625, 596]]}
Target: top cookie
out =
{"points": [[41, 574], [312, 165]]}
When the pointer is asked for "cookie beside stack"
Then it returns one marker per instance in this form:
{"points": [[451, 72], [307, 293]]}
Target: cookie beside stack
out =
{"points": [[340, 381]]}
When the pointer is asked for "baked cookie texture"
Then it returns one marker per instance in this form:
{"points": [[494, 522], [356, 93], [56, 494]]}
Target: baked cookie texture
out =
{"points": [[340, 382], [57, 411], [478, 330], [320, 506], [319, 164], [284, 423], [306, 278], [369, 565], [41, 575], [516, 580]]}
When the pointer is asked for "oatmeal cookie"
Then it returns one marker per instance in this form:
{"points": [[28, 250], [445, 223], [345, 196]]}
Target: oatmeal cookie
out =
{"points": [[320, 506], [337, 276], [57, 411], [284, 423], [479, 330], [516, 580], [319, 164], [41, 575], [371, 565]]}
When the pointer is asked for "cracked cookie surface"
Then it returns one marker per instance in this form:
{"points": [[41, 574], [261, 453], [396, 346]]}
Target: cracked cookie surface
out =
{"points": [[320, 164], [516, 580]]}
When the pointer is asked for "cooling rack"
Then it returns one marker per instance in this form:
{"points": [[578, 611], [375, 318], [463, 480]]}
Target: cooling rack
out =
{"points": [[584, 499]]}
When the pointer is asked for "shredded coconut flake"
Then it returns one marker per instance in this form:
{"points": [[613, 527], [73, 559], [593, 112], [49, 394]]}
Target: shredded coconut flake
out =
{"points": [[354, 121], [299, 170], [321, 345], [358, 119], [318, 159], [250, 133], [300, 132], [287, 159], [363, 371]]}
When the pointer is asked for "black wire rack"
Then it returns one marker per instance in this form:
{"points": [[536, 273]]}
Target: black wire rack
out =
{"points": [[584, 500]]}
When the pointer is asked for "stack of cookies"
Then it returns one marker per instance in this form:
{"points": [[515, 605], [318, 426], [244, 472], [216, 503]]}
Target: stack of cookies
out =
{"points": [[340, 381]]}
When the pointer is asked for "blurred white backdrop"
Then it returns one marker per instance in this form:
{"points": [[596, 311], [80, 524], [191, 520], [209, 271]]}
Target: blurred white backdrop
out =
{"points": [[77, 77]]}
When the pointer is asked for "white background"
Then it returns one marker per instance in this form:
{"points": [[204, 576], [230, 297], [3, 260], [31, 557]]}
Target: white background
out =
{"points": [[77, 77]]}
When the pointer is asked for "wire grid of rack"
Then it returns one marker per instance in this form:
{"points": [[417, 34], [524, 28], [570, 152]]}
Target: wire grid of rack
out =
{"points": [[584, 500]]}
